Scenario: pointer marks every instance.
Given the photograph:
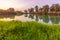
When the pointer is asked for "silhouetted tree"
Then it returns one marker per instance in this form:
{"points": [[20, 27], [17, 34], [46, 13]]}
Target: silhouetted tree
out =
{"points": [[36, 8], [25, 11], [40, 10], [55, 7], [45, 9], [19, 12], [11, 10], [29, 11], [32, 10]]}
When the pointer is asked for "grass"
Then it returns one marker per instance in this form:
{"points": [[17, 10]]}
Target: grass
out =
{"points": [[17, 30]]}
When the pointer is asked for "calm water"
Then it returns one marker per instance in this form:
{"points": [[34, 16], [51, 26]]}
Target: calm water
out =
{"points": [[30, 17]]}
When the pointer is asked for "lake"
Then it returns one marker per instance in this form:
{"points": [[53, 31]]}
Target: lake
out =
{"points": [[46, 19]]}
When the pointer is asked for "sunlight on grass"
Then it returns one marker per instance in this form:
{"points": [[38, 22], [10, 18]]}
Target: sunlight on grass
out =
{"points": [[17, 30]]}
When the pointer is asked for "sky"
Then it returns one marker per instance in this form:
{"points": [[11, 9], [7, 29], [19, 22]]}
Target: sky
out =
{"points": [[25, 4]]}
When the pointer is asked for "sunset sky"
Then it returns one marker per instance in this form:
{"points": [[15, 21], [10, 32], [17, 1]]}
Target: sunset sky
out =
{"points": [[24, 4]]}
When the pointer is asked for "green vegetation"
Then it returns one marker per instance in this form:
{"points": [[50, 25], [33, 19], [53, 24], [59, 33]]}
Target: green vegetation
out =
{"points": [[17, 30], [54, 9]]}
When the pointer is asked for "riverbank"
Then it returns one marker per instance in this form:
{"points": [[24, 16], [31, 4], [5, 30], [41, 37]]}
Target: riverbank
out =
{"points": [[17, 30]]}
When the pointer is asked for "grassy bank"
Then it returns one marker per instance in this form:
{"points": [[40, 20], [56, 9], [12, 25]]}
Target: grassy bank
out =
{"points": [[16, 30]]}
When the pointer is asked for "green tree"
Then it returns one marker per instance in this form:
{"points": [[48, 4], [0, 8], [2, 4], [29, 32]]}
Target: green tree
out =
{"points": [[55, 7], [45, 9], [36, 8]]}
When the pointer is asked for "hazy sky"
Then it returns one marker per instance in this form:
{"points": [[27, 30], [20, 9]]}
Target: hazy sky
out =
{"points": [[24, 4]]}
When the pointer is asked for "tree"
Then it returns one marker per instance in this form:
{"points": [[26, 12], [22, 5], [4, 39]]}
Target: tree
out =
{"points": [[11, 10], [25, 11], [40, 10], [29, 11], [36, 8], [55, 7], [32, 10], [45, 9]]}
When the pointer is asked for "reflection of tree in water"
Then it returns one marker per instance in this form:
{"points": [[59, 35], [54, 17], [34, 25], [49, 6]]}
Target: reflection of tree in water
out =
{"points": [[37, 19], [55, 20], [31, 16], [26, 15], [45, 19], [40, 17], [7, 16]]}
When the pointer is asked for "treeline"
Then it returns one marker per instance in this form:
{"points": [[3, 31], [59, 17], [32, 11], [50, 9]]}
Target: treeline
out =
{"points": [[46, 9], [54, 9], [10, 11]]}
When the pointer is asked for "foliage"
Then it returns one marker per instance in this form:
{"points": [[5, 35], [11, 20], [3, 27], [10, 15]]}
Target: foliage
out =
{"points": [[17, 30]]}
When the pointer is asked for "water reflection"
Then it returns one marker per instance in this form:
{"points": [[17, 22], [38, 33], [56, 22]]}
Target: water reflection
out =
{"points": [[7, 16], [55, 19], [45, 18], [31, 17], [26, 15], [37, 19]]}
